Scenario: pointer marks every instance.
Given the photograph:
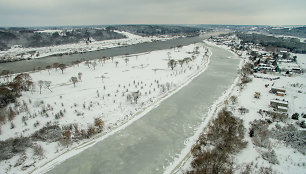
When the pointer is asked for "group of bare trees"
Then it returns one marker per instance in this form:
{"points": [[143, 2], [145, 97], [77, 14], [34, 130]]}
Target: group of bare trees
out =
{"points": [[133, 96], [61, 66], [46, 84], [12, 90], [172, 63], [90, 64], [75, 79]]}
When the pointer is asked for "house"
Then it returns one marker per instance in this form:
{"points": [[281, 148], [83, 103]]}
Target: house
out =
{"points": [[297, 70], [279, 93], [279, 105], [275, 90], [282, 109]]}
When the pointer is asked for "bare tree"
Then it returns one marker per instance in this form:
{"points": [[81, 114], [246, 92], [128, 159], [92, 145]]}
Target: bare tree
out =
{"points": [[56, 65], [48, 67], [136, 96], [102, 77], [100, 60], [172, 63], [48, 84], [62, 67], [74, 80], [181, 62], [126, 60], [4, 73], [99, 123], [169, 55], [104, 59], [80, 76], [40, 84], [247, 69], [87, 63], [187, 59], [94, 64]]}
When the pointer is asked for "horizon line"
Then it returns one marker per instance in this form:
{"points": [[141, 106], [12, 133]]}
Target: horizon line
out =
{"points": [[92, 25]]}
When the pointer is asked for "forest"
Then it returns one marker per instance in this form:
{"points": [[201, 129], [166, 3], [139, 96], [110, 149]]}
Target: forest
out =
{"points": [[26, 37], [292, 44]]}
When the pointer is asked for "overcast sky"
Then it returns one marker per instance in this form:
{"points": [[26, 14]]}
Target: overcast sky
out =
{"points": [[93, 12]]}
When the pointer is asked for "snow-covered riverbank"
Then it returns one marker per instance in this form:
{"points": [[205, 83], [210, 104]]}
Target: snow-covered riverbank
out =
{"points": [[182, 163], [102, 92], [281, 136], [19, 53]]}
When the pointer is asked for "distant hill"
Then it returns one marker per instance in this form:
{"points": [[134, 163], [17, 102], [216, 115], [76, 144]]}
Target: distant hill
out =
{"points": [[151, 30], [27, 37], [292, 44], [296, 31]]}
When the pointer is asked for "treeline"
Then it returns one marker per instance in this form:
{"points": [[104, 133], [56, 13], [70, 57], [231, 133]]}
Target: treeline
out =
{"points": [[33, 38], [151, 30], [297, 31], [292, 44]]}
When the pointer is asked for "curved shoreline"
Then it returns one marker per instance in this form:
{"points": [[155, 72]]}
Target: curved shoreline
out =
{"points": [[185, 154], [100, 137], [29, 65]]}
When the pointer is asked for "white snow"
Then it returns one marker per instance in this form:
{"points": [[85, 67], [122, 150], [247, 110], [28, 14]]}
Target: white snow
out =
{"points": [[18, 52], [148, 72]]}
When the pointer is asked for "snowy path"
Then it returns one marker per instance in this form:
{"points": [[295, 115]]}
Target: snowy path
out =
{"points": [[151, 143]]}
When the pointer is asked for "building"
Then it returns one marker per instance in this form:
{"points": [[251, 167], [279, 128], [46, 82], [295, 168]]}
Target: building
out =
{"points": [[279, 105], [280, 90]]}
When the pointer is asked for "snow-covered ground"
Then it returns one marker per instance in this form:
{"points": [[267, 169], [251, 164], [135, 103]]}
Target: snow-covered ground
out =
{"points": [[290, 160], [102, 92], [16, 52]]}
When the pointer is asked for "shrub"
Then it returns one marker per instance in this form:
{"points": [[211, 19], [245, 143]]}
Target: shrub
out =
{"points": [[270, 156], [2, 118], [12, 125], [11, 114], [225, 134], [211, 161], [21, 159], [302, 124], [261, 133], [48, 133], [38, 151], [265, 170], [233, 99], [295, 116], [245, 79], [12, 146], [91, 131], [243, 110], [251, 133], [276, 116], [292, 136], [99, 123], [67, 134], [247, 69]]}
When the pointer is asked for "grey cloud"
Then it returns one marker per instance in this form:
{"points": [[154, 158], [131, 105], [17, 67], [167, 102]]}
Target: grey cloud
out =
{"points": [[78, 12]]}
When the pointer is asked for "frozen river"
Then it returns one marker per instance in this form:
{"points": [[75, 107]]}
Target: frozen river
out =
{"points": [[152, 142]]}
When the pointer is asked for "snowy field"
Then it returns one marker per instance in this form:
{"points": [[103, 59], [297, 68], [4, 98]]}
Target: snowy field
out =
{"points": [[16, 52], [115, 90]]}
